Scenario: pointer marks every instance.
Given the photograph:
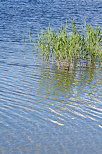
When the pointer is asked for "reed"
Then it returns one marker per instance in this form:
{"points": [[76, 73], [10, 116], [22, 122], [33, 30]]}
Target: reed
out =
{"points": [[66, 50]]}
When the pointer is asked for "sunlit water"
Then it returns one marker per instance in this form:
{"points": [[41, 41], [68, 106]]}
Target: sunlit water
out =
{"points": [[44, 110]]}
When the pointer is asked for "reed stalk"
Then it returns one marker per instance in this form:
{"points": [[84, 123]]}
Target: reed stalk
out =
{"points": [[67, 49]]}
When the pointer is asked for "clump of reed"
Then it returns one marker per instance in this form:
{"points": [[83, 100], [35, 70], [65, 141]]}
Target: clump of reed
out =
{"points": [[66, 49]]}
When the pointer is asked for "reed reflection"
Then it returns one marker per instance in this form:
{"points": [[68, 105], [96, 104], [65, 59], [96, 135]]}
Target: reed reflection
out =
{"points": [[57, 81]]}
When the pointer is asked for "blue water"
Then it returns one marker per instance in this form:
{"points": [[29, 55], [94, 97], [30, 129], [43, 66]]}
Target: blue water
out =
{"points": [[44, 110]]}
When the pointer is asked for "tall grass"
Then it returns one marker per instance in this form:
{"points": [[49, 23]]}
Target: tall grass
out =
{"points": [[66, 49]]}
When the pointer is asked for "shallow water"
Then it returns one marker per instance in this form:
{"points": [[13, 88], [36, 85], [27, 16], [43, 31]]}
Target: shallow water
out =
{"points": [[42, 109]]}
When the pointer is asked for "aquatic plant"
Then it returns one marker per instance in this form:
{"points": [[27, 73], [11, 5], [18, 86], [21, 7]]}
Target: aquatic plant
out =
{"points": [[92, 44], [67, 49]]}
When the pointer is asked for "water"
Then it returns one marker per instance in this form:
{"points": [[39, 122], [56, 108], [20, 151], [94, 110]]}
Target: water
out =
{"points": [[43, 110]]}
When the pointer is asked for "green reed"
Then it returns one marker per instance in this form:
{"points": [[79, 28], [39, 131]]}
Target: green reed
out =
{"points": [[66, 49]]}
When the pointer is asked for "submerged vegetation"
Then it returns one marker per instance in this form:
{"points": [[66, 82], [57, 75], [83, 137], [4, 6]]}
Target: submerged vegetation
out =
{"points": [[68, 49]]}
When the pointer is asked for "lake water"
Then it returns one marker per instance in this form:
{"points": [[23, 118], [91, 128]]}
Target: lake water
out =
{"points": [[43, 110]]}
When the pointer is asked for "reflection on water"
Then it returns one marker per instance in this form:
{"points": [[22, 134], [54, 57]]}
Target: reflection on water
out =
{"points": [[43, 109], [61, 80], [70, 87]]}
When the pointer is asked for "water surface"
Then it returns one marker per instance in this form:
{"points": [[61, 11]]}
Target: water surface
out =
{"points": [[44, 110]]}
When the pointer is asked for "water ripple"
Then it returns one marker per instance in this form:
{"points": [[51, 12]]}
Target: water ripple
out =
{"points": [[42, 109]]}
